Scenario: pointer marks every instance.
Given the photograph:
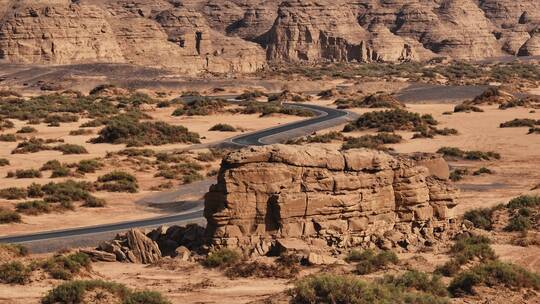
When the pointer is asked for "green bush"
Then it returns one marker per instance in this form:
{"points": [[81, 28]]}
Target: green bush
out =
{"points": [[482, 170], [337, 289], [65, 267], [135, 133], [519, 223], [391, 120], [467, 108], [137, 152], [524, 201], [14, 273], [13, 193], [4, 162], [523, 122], [458, 174], [25, 173], [32, 145], [369, 261], [34, 207], [469, 155], [372, 141], [94, 202], [15, 250], [222, 258], [67, 191], [79, 132], [118, 181], [27, 129], [493, 274], [9, 216], [481, 218], [223, 128], [8, 138], [61, 171], [88, 166], [51, 165], [466, 249], [67, 149], [73, 293], [418, 281]]}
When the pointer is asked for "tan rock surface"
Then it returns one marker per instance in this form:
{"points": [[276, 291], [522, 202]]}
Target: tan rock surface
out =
{"points": [[349, 198]]}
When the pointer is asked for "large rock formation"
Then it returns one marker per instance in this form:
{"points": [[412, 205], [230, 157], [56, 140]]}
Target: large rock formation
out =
{"points": [[273, 196], [242, 35]]}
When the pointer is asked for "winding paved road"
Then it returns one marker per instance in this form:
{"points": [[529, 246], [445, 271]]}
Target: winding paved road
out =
{"points": [[325, 118]]}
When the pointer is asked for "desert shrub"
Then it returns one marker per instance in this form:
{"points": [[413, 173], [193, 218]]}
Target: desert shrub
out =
{"points": [[320, 138], [524, 201], [481, 218], [134, 133], [89, 166], [65, 267], [523, 122], [206, 157], [202, 106], [34, 190], [492, 274], [8, 138], [54, 120], [9, 93], [81, 132], [223, 128], [163, 104], [137, 152], [94, 202], [192, 177], [14, 273], [13, 193], [467, 108], [73, 293], [378, 100], [454, 152], [337, 289], [466, 249], [482, 170], [15, 250], [419, 281], [268, 108], [67, 191], [6, 124], [534, 131], [32, 145], [369, 261], [372, 141], [26, 173], [61, 171], [118, 181], [458, 174], [9, 216], [101, 88], [519, 222], [4, 162], [26, 130], [391, 120], [279, 269], [222, 258], [249, 95], [34, 207], [51, 165], [71, 149]]}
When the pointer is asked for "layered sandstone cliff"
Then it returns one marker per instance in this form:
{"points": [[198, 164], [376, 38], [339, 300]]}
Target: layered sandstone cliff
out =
{"points": [[242, 35], [268, 195]]}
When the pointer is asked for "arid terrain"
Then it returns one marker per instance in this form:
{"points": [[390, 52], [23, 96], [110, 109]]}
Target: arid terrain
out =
{"points": [[297, 151]]}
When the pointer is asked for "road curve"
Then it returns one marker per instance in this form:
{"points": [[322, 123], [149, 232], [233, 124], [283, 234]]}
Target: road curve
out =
{"points": [[325, 115]]}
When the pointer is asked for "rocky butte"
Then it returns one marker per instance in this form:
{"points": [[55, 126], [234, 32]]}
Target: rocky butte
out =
{"points": [[307, 198]]}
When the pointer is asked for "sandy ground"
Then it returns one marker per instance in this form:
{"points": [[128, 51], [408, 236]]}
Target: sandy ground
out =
{"points": [[121, 206]]}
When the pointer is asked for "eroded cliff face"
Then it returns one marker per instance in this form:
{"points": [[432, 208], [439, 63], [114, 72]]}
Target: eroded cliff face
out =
{"points": [[242, 35], [265, 195]]}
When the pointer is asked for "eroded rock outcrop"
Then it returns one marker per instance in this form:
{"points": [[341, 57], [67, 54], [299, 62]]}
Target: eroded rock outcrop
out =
{"points": [[294, 196]]}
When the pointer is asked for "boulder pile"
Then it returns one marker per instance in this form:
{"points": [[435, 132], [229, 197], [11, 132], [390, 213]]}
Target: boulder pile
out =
{"points": [[282, 197]]}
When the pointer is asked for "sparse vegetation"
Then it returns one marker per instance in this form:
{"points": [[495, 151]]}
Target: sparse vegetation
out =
{"points": [[34, 207], [322, 138], [25, 173], [464, 250], [9, 216], [331, 288], [26, 130], [71, 149], [493, 274], [223, 128], [369, 261], [482, 170], [467, 108], [88, 166], [458, 174], [372, 141], [14, 273], [8, 138], [73, 293], [453, 152], [523, 122], [65, 267], [4, 162], [391, 120], [222, 258], [118, 181]]}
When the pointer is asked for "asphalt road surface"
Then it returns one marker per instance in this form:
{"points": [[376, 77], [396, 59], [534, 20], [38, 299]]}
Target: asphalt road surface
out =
{"points": [[255, 138]]}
